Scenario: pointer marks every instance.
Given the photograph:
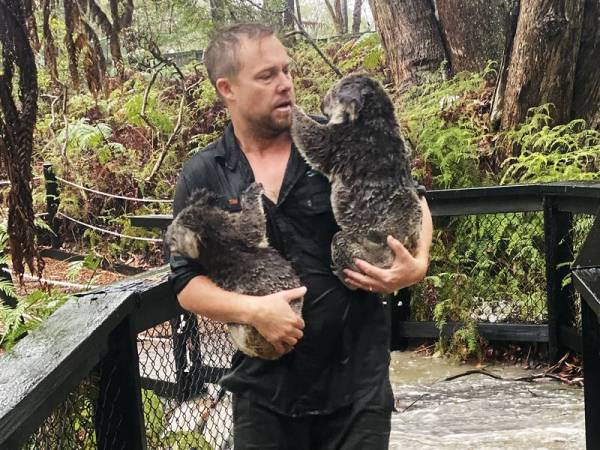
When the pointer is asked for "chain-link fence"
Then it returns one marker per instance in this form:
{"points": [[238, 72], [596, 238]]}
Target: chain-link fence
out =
{"points": [[187, 354], [71, 424], [485, 268]]}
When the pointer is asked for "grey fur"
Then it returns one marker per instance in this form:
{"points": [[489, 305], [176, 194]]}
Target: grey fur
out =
{"points": [[233, 249], [362, 153]]}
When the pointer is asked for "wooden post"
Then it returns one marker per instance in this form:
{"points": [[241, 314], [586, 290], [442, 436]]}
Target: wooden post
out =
{"points": [[591, 370], [52, 202], [120, 413], [559, 253]]}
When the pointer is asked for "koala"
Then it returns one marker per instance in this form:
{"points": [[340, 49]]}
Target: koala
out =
{"points": [[233, 248], [361, 152]]}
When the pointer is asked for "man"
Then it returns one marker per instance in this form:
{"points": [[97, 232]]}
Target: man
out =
{"points": [[330, 389]]}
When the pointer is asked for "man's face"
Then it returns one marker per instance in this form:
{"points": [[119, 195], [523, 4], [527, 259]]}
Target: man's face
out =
{"points": [[262, 92]]}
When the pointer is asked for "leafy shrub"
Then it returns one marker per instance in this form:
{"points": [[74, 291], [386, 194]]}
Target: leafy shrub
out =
{"points": [[546, 153]]}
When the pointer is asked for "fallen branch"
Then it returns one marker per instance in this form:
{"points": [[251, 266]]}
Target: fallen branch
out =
{"points": [[528, 378]]}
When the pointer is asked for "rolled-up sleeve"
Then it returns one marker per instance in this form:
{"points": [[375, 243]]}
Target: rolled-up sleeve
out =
{"points": [[182, 269]]}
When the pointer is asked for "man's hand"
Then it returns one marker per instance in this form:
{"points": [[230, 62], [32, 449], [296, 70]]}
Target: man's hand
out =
{"points": [[276, 321], [405, 271]]}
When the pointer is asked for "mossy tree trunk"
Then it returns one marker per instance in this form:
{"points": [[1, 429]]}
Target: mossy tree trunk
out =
{"points": [[18, 113], [50, 51], [543, 59], [474, 31], [586, 93], [411, 38]]}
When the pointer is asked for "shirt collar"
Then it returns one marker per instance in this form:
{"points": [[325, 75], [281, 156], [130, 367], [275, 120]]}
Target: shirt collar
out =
{"points": [[229, 150]]}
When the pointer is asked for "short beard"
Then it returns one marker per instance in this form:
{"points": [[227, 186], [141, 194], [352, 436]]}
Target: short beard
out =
{"points": [[266, 127]]}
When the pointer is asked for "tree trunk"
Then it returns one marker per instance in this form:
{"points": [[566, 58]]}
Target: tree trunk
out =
{"points": [[288, 14], [71, 19], [586, 95], [500, 89], [356, 16], [344, 16], [17, 122], [299, 15], [49, 46], [411, 38], [542, 63], [474, 31], [31, 25]]}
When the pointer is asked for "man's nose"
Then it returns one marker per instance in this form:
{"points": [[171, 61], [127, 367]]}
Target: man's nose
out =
{"points": [[285, 82]]}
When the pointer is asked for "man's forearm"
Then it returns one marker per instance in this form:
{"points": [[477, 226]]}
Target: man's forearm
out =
{"points": [[202, 296]]}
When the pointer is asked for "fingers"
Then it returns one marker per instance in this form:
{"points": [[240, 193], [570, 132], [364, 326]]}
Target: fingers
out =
{"points": [[369, 269], [282, 349], [363, 281], [293, 294], [397, 247]]}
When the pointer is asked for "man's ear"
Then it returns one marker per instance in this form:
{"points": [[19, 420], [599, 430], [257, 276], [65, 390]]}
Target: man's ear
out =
{"points": [[223, 86]]}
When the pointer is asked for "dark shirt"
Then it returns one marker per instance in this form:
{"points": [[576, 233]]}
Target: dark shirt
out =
{"points": [[344, 354]]}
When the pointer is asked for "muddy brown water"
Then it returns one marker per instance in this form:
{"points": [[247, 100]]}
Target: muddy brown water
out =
{"points": [[479, 412]]}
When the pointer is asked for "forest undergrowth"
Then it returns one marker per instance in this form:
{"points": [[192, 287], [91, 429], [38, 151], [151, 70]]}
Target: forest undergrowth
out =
{"points": [[131, 140]]}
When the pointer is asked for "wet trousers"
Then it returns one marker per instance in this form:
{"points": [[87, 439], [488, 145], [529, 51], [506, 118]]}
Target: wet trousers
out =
{"points": [[365, 427]]}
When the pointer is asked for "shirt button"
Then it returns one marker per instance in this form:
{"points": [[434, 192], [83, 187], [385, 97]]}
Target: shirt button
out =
{"points": [[309, 203]]}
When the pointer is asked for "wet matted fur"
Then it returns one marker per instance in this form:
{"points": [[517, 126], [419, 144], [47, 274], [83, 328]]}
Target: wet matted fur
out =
{"points": [[233, 249], [361, 152]]}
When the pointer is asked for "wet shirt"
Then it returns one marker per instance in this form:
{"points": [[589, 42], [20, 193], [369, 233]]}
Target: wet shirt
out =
{"points": [[343, 356]]}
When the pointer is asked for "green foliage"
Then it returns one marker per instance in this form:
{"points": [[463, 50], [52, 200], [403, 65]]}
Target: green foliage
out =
{"points": [[438, 119], [31, 310], [546, 153], [157, 432], [155, 114], [90, 262]]}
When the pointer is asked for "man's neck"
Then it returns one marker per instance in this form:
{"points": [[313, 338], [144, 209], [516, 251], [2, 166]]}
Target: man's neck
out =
{"points": [[259, 144], [267, 156]]}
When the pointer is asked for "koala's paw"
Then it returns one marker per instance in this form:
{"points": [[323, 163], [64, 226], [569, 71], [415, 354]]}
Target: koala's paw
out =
{"points": [[182, 241]]}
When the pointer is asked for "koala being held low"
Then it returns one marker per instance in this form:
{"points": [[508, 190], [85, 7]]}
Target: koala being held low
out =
{"points": [[233, 248], [360, 150]]}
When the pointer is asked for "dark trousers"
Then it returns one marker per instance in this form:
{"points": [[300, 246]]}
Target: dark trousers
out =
{"points": [[350, 428]]}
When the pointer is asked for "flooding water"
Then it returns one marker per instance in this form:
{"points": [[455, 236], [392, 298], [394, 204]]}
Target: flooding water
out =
{"points": [[479, 412]]}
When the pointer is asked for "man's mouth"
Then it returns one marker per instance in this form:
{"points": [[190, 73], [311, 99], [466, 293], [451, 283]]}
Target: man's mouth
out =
{"points": [[283, 106]]}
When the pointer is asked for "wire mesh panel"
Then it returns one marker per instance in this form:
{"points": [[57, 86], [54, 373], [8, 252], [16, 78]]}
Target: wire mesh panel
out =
{"points": [[71, 424], [485, 268], [180, 363]]}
